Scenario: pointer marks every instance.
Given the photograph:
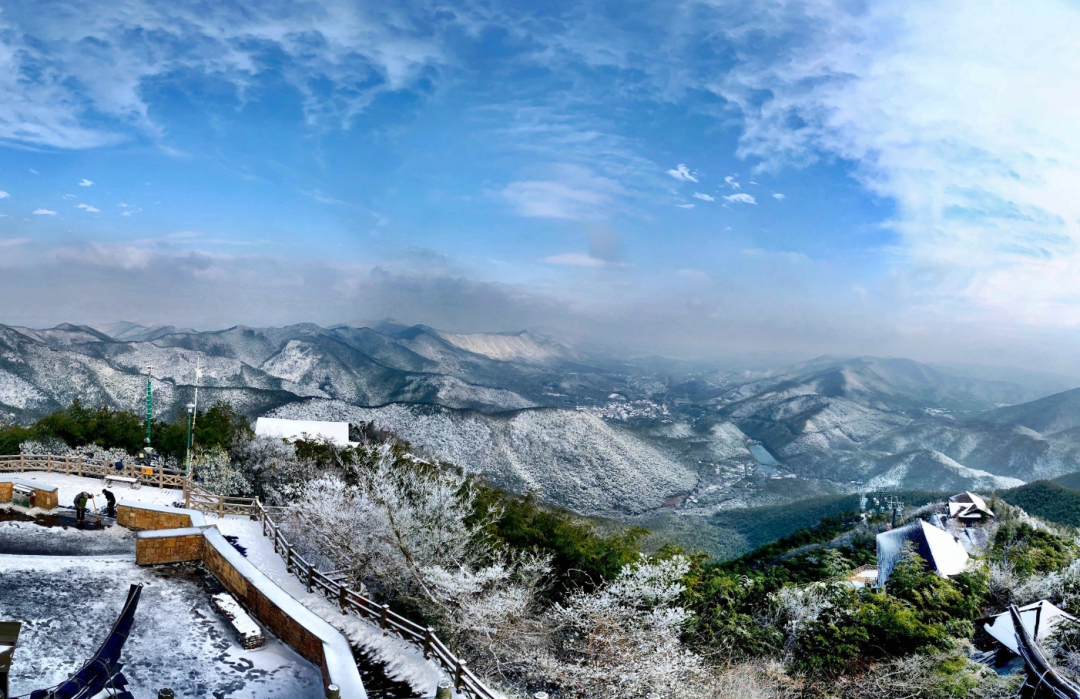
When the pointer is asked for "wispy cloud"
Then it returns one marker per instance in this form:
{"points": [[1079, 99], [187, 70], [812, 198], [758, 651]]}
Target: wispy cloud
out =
{"points": [[4, 195], [741, 198], [88, 209], [321, 198], [778, 195], [573, 259], [704, 197], [85, 182], [570, 192], [730, 179], [685, 206], [986, 205], [683, 173], [44, 212], [354, 52], [12, 242]]}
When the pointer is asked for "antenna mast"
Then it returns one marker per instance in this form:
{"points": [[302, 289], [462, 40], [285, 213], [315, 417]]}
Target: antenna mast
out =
{"points": [[149, 405]]}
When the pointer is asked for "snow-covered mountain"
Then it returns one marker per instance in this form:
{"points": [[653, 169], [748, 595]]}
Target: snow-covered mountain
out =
{"points": [[595, 434]]}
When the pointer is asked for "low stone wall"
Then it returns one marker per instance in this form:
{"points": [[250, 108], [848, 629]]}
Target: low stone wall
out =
{"points": [[273, 617], [45, 497], [142, 517], [303, 630], [169, 546]]}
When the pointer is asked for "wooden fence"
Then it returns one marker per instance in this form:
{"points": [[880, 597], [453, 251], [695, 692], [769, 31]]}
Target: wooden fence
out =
{"points": [[198, 498], [94, 468]]}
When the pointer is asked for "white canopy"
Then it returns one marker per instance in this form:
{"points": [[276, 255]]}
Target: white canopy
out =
{"points": [[940, 549], [1040, 619]]}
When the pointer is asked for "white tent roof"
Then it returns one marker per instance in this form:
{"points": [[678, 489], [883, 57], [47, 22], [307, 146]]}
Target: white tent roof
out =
{"points": [[968, 505], [1040, 619], [335, 432], [939, 548]]}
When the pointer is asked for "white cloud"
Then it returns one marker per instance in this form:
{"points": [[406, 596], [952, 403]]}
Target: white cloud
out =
{"points": [[4, 195], [778, 195], [703, 197], [730, 179], [69, 196], [32, 170], [683, 173], [126, 213], [964, 113], [571, 193], [44, 212], [115, 256], [742, 198], [694, 275], [685, 206], [85, 182], [87, 208], [574, 259], [355, 52]]}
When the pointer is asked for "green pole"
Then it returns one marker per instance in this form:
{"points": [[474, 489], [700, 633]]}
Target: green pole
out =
{"points": [[149, 405]]}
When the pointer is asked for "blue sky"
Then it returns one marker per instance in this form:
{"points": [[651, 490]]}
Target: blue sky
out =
{"points": [[749, 180]]}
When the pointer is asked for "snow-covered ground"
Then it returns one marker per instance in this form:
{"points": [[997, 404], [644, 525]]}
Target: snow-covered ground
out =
{"points": [[70, 486], [68, 604], [402, 660], [31, 538]]}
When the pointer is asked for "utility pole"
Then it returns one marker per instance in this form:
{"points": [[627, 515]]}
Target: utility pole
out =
{"points": [[191, 423], [149, 407]]}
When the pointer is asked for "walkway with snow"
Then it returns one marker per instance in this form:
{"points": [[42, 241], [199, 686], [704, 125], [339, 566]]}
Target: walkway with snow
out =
{"points": [[403, 661], [68, 604]]}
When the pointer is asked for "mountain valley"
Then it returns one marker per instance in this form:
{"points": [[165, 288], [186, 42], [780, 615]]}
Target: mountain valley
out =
{"points": [[592, 433]]}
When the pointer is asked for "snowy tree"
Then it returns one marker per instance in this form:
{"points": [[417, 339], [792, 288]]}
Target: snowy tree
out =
{"points": [[213, 469], [274, 470], [623, 640], [57, 447], [409, 531]]}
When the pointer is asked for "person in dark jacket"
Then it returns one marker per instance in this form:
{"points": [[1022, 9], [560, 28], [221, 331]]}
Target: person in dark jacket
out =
{"points": [[110, 503], [80, 507]]}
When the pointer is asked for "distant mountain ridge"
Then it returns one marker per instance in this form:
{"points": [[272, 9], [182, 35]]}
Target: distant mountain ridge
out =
{"points": [[594, 433]]}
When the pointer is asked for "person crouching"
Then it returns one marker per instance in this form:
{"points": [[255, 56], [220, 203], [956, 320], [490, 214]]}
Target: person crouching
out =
{"points": [[110, 503]]}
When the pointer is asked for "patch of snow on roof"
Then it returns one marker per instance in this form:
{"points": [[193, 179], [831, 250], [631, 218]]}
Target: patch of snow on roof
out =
{"points": [[1039, 618], [335, 432], [940, 549]]}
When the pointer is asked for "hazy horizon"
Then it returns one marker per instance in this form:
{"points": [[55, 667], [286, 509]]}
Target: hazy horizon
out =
{"points": [[723, 181]]}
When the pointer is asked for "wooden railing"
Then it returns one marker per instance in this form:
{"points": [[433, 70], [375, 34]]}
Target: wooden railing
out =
{"points": [[466, 682], [199, 498], [94, 468]]}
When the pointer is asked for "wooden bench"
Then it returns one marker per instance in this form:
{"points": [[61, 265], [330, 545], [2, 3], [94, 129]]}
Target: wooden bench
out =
{"points": [[133, 482]]}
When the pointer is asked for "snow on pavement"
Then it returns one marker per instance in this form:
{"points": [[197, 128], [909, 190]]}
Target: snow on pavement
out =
{"points": [[402, 660], [68, 605], [70, 486], [31, 538]]}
